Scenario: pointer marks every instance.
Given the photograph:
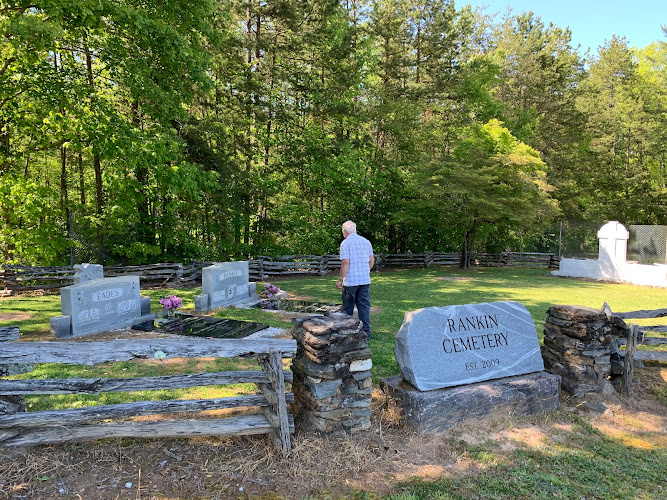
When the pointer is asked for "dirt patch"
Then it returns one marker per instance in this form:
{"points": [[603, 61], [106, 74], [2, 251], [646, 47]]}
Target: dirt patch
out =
{"points": [[452, 278], [250, 467], [15, 316]]}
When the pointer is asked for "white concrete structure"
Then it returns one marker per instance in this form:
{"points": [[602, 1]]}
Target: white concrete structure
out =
{"points": [[611, 264]]}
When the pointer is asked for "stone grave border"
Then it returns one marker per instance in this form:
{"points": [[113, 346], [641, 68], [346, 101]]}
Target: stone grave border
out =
{"points": [[18, 428]]}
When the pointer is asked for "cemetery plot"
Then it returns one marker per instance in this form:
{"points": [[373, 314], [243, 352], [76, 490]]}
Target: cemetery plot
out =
{"points": [[298, 306], [219, 328]]}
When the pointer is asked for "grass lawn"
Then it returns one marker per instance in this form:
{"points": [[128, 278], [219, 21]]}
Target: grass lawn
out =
{"points": [[392, 294], [562, 455]]}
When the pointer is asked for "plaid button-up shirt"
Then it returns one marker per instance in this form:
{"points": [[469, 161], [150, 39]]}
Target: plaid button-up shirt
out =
{"points": [[358, 250]]}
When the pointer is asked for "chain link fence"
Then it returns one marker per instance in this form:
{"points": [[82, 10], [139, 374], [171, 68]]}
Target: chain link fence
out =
{"points": [[646, 245], [94, 245]]}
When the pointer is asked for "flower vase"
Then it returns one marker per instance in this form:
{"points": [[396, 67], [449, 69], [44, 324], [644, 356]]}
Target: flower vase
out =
{"points": [[171, 313]]}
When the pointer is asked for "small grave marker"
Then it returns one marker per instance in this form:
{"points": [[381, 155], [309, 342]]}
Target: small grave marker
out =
{"points": [[87, 272]]}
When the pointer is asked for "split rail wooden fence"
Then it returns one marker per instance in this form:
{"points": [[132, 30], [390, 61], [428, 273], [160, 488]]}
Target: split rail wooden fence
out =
{"points": [[637, 334], [21, 428], [24, 278]]}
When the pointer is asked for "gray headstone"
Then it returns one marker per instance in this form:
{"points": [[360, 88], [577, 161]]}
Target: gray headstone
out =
{"points": [[439, 347], [87, 272], [145, 304], [99, 305], [61, 326], [224, 284]]}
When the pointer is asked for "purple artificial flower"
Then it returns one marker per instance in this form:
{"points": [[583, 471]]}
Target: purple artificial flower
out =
{"points": [[171, 302], [270, 291]]}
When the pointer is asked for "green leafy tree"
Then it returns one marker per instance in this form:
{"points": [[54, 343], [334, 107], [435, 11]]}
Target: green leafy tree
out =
{"points": [[489, 178], [538, 86]]}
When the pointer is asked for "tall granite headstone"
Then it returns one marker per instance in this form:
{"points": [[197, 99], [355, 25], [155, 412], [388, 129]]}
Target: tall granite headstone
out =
{"points": [[225, 284], [99, 305]]}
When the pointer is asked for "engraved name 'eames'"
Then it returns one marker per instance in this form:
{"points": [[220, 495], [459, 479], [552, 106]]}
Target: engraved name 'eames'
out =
{"points": [[473, 342]]}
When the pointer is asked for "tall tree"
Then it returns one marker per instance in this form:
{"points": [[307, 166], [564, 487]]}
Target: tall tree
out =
{"points": [[538, 86], [489, 178]]}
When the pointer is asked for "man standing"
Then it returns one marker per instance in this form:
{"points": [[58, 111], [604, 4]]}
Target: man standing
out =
{"points": [[356, 262]]}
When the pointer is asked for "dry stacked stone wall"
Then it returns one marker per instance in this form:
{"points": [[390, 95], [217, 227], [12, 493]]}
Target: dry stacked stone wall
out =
{"points": [[578, 346], [332, 379]]}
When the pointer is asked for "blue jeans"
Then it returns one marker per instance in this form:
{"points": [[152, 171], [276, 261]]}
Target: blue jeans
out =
{"points": [[360, 296]]}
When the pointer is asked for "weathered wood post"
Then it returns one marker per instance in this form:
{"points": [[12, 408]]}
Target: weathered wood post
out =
{"points": [[11, 404], [276, 412], [628, 367]]}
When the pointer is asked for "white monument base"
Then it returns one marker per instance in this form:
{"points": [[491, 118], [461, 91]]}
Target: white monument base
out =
{"points": [[636, 274]]}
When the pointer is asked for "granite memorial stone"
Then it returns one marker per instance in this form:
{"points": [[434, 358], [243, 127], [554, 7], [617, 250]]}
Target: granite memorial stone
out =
{"points": [[224, 284], [438, 347], [87, 272], [99, 305]]}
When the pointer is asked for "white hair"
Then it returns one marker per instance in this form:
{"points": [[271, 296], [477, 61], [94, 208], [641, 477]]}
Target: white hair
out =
{"points": [[349, 227]]}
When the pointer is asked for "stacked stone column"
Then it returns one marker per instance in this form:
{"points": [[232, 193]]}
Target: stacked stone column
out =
{"points": [[578, 344], [332, 379]]}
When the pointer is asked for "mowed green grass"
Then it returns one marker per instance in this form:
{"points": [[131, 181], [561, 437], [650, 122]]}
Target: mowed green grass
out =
{"points": [[576, 462], [393, 293]]}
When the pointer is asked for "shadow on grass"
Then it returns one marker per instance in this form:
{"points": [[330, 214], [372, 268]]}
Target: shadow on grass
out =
{"points": [[395, 292]]}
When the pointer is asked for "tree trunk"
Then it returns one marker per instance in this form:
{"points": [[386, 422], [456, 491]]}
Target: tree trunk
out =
{"points": [[96, 157], [4, 146], [64, 196], [466, 249], [146, 233], [82, 184]]}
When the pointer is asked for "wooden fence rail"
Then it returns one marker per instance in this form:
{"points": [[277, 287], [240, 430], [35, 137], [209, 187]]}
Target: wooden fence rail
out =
{"points": [[18, 428], [23, 278], [634, 335]]}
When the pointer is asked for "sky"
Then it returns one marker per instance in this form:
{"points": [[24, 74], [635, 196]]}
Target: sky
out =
{"points": [[592, 21]]}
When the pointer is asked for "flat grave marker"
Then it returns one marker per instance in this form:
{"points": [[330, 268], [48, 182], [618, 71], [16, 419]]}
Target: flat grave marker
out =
{"points": [[204, 326], [298, 306]]}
